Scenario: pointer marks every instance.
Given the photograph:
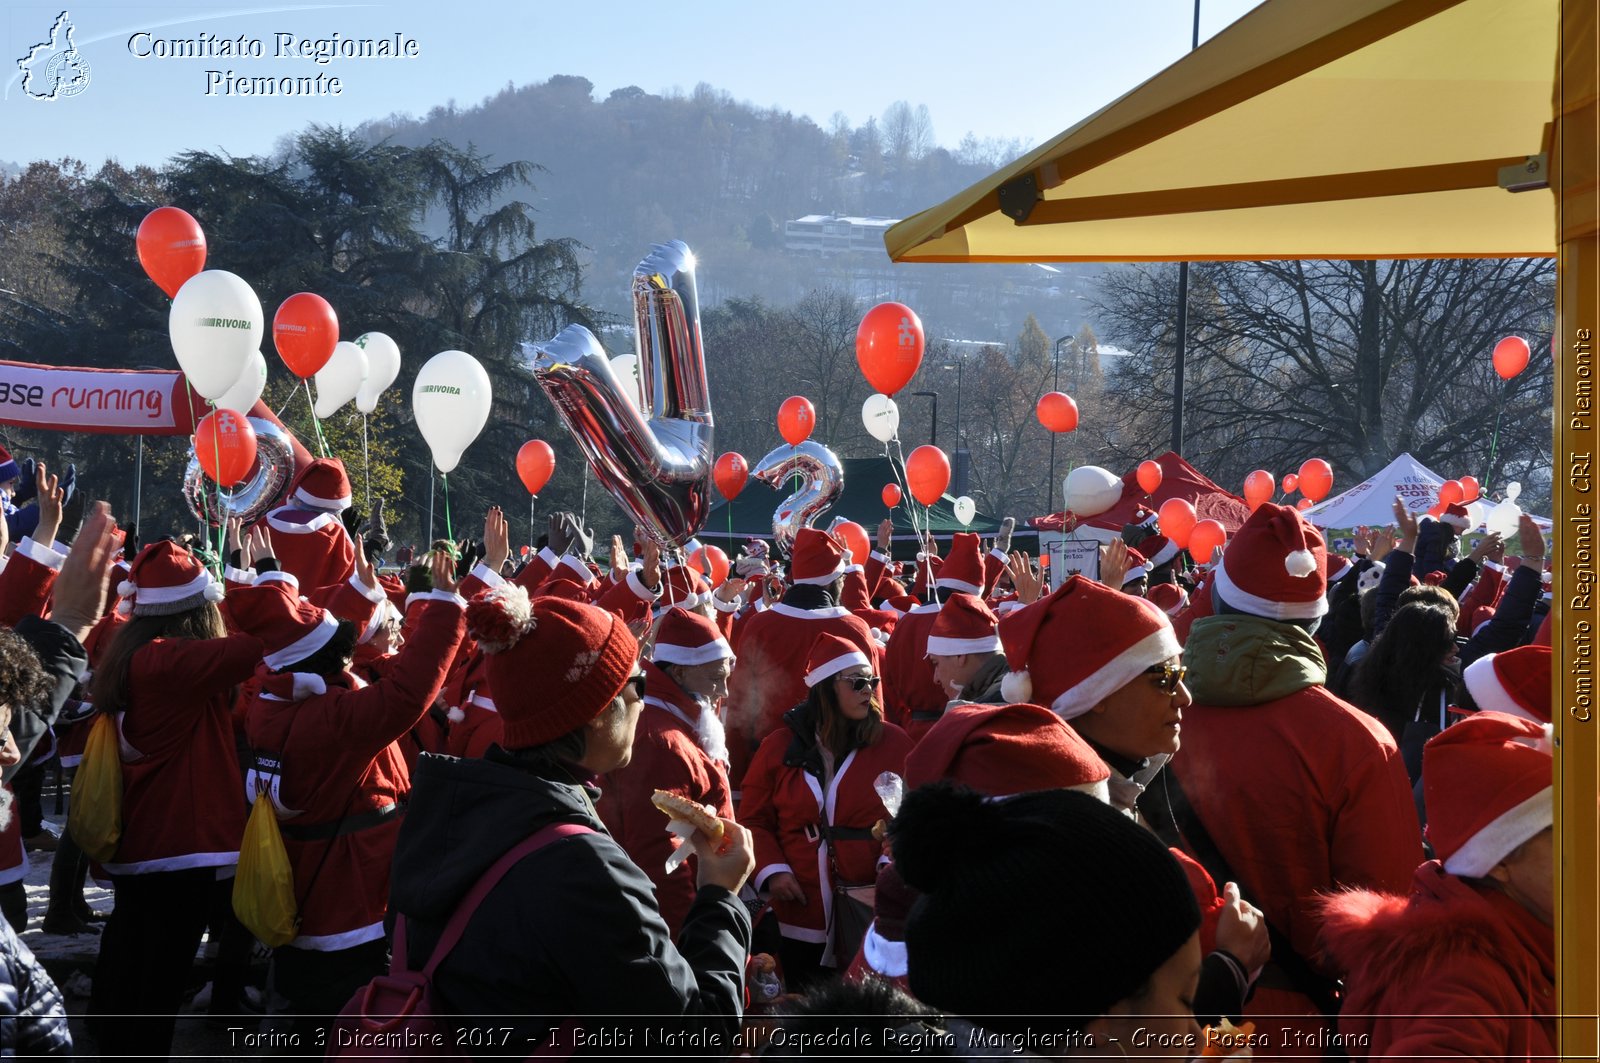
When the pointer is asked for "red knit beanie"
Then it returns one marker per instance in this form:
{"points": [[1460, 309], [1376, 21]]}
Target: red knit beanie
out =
{"points": [[555, 682]]}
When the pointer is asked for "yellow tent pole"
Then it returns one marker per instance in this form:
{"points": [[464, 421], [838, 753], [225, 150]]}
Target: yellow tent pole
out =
{"points": [[1576, 704]]}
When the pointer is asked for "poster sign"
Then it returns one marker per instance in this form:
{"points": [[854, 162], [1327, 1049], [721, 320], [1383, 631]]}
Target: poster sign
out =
{"points": [[1073, 555], [71, 399]]}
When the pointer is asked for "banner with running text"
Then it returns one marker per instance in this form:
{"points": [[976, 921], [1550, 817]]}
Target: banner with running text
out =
{"points": [[121, 401]]}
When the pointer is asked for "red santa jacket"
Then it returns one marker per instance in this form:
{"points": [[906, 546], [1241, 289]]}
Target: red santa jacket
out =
{"points": [[1301, 792], [312, 546], [26, 581], [14, 864], [180, 768], [770, 676], [667, 755], [907, 672], [784, 805], [1450, 971], [341, 781]]}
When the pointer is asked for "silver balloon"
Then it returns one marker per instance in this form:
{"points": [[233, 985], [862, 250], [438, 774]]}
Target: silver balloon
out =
{"points": [[249, 501], [655, 459], [821, 481]]}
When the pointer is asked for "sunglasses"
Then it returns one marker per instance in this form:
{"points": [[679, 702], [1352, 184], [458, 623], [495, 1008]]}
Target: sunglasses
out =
{"points": [[1171, 676], [637, 683], [858, 683]]}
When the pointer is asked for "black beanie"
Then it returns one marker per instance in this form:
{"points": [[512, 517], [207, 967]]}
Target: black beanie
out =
{"points": [[1045, 903]]}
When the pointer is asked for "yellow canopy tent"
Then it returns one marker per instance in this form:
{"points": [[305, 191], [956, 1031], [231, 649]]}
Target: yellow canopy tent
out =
{"points": [[1340, 129]]}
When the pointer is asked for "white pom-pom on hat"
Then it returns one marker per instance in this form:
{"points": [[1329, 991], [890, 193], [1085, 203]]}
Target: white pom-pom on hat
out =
{"points": [[455, 715], [1300, 563], [1017, 687], [215, 591], [126, 588]]}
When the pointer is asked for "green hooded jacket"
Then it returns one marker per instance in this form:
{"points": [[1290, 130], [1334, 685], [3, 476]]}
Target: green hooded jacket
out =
{"points": [[1234, 659]]}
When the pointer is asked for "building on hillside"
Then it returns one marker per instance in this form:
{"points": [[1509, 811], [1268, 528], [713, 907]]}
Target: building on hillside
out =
{"points": [[834, 234]]}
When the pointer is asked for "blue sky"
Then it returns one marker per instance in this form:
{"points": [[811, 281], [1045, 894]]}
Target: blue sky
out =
{"points": [[997, 71]]}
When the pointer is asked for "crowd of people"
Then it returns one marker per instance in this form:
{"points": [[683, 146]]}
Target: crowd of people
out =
{"points": [[1156, 811]]}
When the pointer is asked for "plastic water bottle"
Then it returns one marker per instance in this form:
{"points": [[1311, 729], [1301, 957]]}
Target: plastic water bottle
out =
{"points": [[765, 985]]}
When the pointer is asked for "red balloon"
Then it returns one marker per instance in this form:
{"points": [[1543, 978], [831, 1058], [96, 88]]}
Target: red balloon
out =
{"points": [[796, 419], [731, 472], [1177, 518], [1304, 503], [1510, 356], [526, 550], [927, 474], [1316, 479], [1149, 477], [891, 495], [1450, 492], [1204, 540], [855, 540], [1290, 483], [535, 462], [1471, 489], [172, 247], [225, 445], [1057, 412], [1257, 489], [713, 562], [305, 330], [889, 346]]}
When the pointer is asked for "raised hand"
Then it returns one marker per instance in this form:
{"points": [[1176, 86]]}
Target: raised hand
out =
{"points": [[443, 569], [1532, 540], [1114, 563], [496, 539], [1026, 579], [80, 588], [885, 532], [1407, 523], [51, 499]]}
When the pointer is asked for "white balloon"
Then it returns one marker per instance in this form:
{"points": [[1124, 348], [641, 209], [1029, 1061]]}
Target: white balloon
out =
{"points": [[1513, 491], [215, 326], [451, 399], [1477, 512], [965, 509], [1090, 490], [1504, 518], [626, 368], [881, 416], [340, 377], [383, 365], [247, 389]]}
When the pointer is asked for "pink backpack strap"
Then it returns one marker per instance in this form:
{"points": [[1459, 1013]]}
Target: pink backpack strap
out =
{"points": [[469, 904]]}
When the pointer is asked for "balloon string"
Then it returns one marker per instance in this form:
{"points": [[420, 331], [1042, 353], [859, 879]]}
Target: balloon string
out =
{"points": [[1494, 443], [531, 500], [583, 505], [449, 532], [366, 463], [222, 511], [322, 444]]}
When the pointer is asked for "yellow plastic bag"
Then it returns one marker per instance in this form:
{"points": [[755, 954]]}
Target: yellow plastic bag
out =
{"points": [[95, 816], [263, 888]]}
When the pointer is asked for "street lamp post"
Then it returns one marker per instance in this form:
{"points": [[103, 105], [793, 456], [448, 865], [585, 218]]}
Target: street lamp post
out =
{"points": [[960, 364], [933, 434], [1055, 385]]}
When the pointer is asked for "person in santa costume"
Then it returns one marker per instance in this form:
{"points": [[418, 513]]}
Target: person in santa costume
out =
{"points": [[1047, 914], [1462, 965], [810, 804], [1281, 786], [679, 745], [308, 536], [772, 646], [906, 671], [168, 680], [1515, 682], [325, 750], [964, 649], [572, 930]]}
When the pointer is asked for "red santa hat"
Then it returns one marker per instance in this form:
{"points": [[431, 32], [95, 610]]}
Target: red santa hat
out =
{"points": [[962, 569], [1515, 682], [1488, 781], [351, 600], [1169, 596], [554, 683], [1006, 749], [1137, 567], [1158, 549], [963, 625], [816, 558], [9, 470], [685, 586], [1339, 567], [1455, 515], [1144, 516], [322, 485], [290, 627], [831, 655], [1275, 566], [1092, 641], [166, 579], [689, 639]]}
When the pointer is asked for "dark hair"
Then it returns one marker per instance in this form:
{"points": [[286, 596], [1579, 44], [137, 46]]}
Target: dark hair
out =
{"points": [[552, 758], [838, 1016], [1432, 595], [1405, 665], [23, 680], [109, 689], [834, 729], [334, 656]]}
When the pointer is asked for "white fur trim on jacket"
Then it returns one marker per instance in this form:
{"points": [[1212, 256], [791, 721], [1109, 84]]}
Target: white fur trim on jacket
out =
{"points": [[486, 575], [1160, 645], [40, 553]]}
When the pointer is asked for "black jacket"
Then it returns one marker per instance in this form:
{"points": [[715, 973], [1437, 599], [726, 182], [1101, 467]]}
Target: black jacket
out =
{"points": [[572, 930], [64, 660], [33, 1020]]}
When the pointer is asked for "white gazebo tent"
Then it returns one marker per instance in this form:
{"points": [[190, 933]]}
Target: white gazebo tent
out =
{"points": [[1371, 502]]}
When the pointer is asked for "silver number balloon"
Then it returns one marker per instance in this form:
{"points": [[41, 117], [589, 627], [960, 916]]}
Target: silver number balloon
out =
{"points": [[249, 501], [655, 459], [821, 481]]}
